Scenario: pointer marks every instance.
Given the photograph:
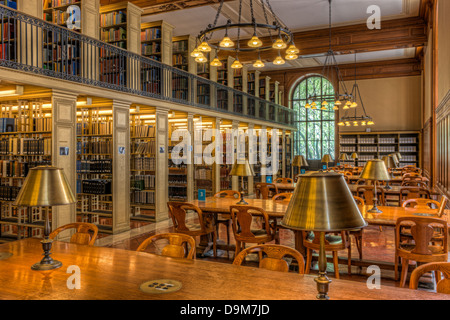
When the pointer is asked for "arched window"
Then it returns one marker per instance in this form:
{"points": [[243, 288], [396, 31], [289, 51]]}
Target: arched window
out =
{"points": [[315, 134]]}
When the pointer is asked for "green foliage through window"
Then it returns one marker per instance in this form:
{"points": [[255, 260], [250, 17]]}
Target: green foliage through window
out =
{"points": [[315, 136]]}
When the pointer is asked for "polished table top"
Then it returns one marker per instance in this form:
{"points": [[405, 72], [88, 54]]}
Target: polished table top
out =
{"points": [[396, 179], [394, 189], [277, 209], [108, 273]]}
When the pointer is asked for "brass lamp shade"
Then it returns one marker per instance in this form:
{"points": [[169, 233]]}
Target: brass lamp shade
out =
{"points": [[343, 157], [389, 162], [322, 201], [242, 169], [45, 186], [375, 170], [300, 161], [327, 158], [354, 155], [395, 158]]}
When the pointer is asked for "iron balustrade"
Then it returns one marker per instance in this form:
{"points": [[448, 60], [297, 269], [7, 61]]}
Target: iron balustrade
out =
{"points": [[32, 45]]}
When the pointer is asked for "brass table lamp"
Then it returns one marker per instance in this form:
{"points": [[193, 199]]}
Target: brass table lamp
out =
{"points": [[354, 156], [395, 158], [45, 186], [327, 159], [343, 157], [323, 202], [375, 170], [300, 161], [242, 169], [390, 164]]}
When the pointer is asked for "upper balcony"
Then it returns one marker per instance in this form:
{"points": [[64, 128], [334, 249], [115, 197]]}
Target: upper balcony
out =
{"points": [[35, 46]]}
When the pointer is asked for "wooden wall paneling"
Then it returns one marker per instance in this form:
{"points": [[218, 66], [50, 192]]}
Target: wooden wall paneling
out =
{"points": [[442, 146]]}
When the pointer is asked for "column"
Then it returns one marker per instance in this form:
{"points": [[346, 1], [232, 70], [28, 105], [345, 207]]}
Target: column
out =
{"points": [[252, 154], [133, 44], [121, 166], [162, 164], [64, 134], [29, 40], [32, 7], [235, 183], [283, 154], [263, 152], [219, 157], [190, 160]]}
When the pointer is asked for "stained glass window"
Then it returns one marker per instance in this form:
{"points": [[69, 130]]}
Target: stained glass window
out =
{"points": [[315, 136]]}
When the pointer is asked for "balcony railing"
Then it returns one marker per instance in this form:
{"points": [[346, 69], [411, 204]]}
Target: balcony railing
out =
{"points": [[32, 45]]}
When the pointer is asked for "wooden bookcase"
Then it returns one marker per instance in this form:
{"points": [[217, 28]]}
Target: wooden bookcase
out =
{"points": [[178, 180], [182, 47], [156, 41], [25, 142], [253, 82], [9, 3], [375, 145], [203, 172]]}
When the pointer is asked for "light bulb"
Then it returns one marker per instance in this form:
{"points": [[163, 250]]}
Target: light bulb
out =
{"points": [[291, 56], [355, 123], [258, 64], [292, 50], [236, 64], [370, 123], [337, 103], [324, 103], [346, 107], [216, 63], [279, 44], [254, 42], [313, 105], [363, 123], [335, 108], [279, 61], [349, 103], [307, 106], [196, 53], [341, 124], [353, 105], [204, 47], [226, 42], [348, 124], [201, 59]]}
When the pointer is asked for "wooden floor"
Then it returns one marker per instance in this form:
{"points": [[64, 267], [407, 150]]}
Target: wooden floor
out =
{"points": [[378, 245]]}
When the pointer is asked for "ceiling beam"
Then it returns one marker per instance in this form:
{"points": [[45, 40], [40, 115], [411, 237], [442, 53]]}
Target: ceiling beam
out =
{"points": [[394, 34]]}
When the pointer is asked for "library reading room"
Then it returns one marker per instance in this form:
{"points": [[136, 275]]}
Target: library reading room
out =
{"points": [[224, 150]]}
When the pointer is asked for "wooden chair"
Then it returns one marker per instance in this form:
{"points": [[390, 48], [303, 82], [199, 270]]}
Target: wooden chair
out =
{"points": [[422, 232], [442, 206], [265, 190], [242, 218], [177, 247], [442, 285], [225, 219], [273, 258], [86, 233], [421, 203], [368, 194], [358, 233], [205, 227], [333, 243], [284, 180], [282, 197], [407, 193]]}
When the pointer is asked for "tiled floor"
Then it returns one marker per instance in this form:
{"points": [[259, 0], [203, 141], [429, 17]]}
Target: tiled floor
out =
{"points": [[378, 245]]}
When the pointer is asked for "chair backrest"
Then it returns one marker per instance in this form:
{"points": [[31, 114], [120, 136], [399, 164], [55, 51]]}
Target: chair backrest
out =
{"points": [[442, 206], [359, 200], [175, 248], [177, 212], [407, 193], [242, 217], [421, 203], [265, 190], [273, 258], [368, 194], [284, 180], [443, 286], [282, 197], [86, 233], [228, 194], [328, 246], [422, 231]]}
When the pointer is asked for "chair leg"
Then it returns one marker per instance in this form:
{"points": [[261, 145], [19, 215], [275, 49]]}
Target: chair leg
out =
{"points": [[308, 260], [228, 239], [358, 241], [336, 264], [238, 248], [349, 263], [405, 265], [396, 268]]}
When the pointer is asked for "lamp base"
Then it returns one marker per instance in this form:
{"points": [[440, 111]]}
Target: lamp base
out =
{"points": [[55, 264], [323, 284], [243, 202], [375, 210]]}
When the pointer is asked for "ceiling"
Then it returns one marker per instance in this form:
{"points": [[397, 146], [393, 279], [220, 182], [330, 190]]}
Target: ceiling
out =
{"points": [[297, 15]]}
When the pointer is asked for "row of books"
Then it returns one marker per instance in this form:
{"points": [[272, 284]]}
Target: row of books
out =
{"points": [[12, 124], [151, 75], [94, 166], [178, 59], [95, 147], [203, 90], [177, 179], [9, 3], [54, 52], [202, 68], [102, 128], [114, 78], [149, 49], [113, 66], [26, 146], [96, 186], [177, 193], [143, 131], [57, 16], [148, 147], [15, 168], [7, 51], [59, 3], [8, 31], [113, 18], [71, 68], [143, 197], [203, 174], [151, 87], [144, 164], [180, 46], [118, 34], [8, 193], [150, 34], [180, 94], [145, 182]]}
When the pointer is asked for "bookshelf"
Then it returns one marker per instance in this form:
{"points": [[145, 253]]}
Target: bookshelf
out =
{"points": [[203, 172], [253, 82], [178, 180], [9, 4], [227, 148], [375, 145], [57, 12], [8, 39], [156, 41], [182, 46], [288, 146], [142, 166], [95, 165], [25, 142]]}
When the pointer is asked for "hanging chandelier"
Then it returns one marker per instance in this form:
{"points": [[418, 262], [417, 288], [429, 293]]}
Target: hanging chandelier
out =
{"points": [[280, 37], [331, 71], [355, 121]]}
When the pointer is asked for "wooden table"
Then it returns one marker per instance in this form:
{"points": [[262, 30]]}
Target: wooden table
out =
{"points": [[117, 274], [395, 190], [396, 179], [285, 187]]}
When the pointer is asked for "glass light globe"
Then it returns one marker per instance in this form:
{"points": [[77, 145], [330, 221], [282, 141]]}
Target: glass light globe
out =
{"points": [[236, 64], [279, 44], [291, 57], [363, 123], [258, 64], [196, 53], [355, 123], [226, 43], [370, 123], [353, 105], [204, 47], [279, 61], [341, 124], [307, 106], [201, 59], [292, 50], [216, 63], [254, 42]]}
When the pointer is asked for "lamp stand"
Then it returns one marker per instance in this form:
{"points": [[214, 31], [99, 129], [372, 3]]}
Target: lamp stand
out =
{"points": [[375, 200], [322, 280], [387, 186], [243, 202], [47, 263]]}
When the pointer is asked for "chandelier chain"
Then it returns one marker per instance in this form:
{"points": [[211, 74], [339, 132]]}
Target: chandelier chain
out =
{"points": [[267, 19], [216, 19]]}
